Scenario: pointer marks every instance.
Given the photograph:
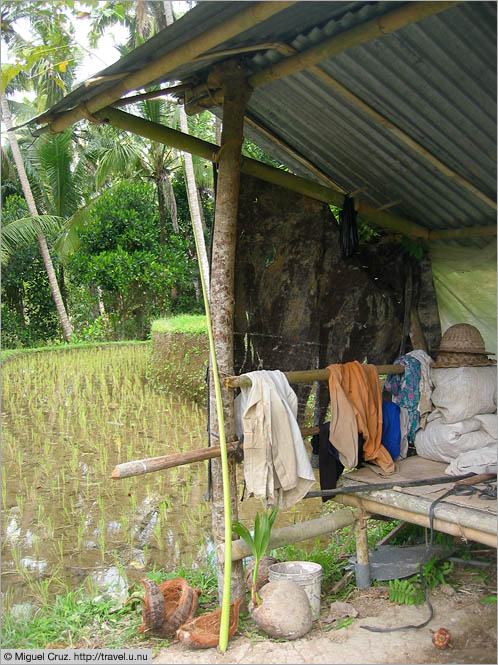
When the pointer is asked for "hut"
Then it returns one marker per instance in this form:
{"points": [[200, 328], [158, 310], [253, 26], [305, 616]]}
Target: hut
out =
{"points": [[384, 108]]}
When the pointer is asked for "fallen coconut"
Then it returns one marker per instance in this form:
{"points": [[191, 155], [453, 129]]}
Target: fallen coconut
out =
{"points": [[284, 611], [263, 572]]}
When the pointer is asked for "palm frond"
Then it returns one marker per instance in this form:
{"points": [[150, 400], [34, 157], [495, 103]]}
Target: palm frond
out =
{"points": [[55, 160], [26, 230], [119, 159]]}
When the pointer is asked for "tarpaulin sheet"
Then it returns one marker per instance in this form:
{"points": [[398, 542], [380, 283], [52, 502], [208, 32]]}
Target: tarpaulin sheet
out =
{"points": [[465, 283]]}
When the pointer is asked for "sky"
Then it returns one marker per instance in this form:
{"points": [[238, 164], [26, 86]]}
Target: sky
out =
{"points": [[95, 59]]}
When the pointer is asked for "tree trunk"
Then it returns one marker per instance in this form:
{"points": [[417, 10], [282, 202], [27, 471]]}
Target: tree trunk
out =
{"points": [[162, 211], [194, 203], [28, 195], [217, 130], [236, 94]]}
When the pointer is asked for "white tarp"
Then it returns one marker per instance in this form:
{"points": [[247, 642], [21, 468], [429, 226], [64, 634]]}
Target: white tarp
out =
{"points": [[465, 283]]}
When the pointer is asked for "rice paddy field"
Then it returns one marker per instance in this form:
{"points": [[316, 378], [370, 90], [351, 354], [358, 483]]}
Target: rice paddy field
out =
{"points": [[68, 418]]}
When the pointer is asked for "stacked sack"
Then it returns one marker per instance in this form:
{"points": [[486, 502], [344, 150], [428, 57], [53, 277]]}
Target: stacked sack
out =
{"points": [[462, 428]]}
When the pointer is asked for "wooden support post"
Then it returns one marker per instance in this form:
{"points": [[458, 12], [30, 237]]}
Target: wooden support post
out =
{"points": [[362, 568], [231, 77]]}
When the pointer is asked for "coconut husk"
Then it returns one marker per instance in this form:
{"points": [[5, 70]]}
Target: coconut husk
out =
{"points": [[153, 607], [167, 606], [204, 631]]}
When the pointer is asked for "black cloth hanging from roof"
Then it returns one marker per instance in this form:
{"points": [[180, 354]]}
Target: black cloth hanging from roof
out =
{"points": [[348, 229]]}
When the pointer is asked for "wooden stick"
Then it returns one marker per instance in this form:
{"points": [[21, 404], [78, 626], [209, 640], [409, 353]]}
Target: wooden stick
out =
{"points": [[151, 464], [307, 376], [466, 479]]}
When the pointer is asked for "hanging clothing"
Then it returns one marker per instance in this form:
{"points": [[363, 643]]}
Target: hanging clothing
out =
{"points": [[330, 465], [426, 385], [276, 466], [391, 431], [405, 389], [356, 406], [404, 425]]}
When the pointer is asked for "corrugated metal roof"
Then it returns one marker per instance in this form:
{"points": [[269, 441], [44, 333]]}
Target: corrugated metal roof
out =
{"points": [[434, 79]]}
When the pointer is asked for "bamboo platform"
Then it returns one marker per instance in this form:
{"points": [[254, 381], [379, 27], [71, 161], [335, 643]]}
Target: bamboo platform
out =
{"points": [[468, 517]]}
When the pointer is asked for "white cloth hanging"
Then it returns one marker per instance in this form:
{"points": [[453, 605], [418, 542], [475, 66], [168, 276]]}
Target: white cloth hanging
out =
{"points": [[276, 466]]}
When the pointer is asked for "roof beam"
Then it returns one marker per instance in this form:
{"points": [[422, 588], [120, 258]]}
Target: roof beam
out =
{"points": [[377, 27], [242, 21], [208, 151], [394, 20], [401, 135]]}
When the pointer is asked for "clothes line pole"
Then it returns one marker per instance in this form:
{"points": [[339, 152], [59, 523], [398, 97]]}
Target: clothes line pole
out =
{"points": [[306, 376]]}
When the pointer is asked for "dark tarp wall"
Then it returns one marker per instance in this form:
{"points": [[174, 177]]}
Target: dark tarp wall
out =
{"points": [[299, 305]]}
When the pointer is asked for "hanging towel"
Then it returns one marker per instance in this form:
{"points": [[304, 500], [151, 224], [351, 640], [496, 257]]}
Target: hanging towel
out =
{"points": [[356, 406], [276, 466], [391, 431]]}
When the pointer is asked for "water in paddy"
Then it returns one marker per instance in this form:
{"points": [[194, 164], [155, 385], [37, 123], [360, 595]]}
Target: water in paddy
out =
{"points": [[67, 419]]}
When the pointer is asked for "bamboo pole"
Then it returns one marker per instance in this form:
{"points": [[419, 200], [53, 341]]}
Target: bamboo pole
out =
{"points": [[453, 513], [307, 376], [152, 464], [402, 136], [362, 567], [452, 528], [444, 234], [377, 27], [252, 167], [296, 532], [242, 21]]}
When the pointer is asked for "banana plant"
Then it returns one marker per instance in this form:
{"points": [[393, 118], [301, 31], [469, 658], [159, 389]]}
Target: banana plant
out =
{"points": [[257, 543]]}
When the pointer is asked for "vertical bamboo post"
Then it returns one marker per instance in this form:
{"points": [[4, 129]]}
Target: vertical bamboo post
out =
{"points": [[231, 76], [362, 568]]}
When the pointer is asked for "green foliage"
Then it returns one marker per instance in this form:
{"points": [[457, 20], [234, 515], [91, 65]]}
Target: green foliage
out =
{"points": [[29, 317], [68, 621], [120, 251], [405, 592], [488, 599], [415, 247], [258, 542], [409, 591]]}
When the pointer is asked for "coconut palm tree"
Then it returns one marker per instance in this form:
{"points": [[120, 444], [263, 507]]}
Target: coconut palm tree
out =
{"points": [[46, 65], [37, 223]]}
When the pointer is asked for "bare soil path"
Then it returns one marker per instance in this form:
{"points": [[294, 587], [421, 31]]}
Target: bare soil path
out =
{"points": [[472, 625]]}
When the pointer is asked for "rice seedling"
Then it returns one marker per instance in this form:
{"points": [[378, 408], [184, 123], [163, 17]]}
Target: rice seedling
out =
{"points": [[158, 534]]}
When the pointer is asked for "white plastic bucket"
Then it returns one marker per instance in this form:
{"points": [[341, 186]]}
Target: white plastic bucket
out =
{"points": [[306, 574]]}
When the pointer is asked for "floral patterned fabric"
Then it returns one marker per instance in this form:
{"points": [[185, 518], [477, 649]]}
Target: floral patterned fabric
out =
{"points": [[405, 391]]}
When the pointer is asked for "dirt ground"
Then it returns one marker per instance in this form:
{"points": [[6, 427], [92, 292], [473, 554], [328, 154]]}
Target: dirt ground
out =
{"points": [[472, 625]]}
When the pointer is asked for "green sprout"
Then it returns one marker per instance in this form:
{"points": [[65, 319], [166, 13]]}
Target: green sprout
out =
{"points": [[258, 543]]}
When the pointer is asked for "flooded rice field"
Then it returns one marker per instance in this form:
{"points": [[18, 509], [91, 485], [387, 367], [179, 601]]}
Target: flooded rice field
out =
{"points": [[68, 418]]}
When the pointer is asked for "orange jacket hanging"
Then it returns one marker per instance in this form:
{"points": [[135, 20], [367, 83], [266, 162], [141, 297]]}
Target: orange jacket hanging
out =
{"points": [[356, 406]]}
